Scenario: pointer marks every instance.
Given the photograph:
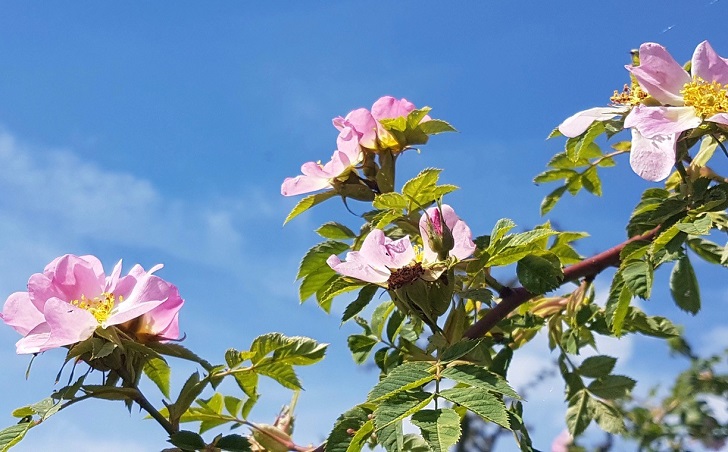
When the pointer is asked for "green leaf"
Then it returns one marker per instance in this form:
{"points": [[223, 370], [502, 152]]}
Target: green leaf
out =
{"points": [[618, 304], [353, 420], [233, 443], [335, 288], [379, 317], [608, 418], [12, 435], [578, 147], [481, 402], [709, 251], [282, 373], [458, 350], [360, 437], [549, 202], [233, 405], [440, 428], [611, 386], [637, 276], [590, 180], [190, 391], [179, 351], [408, 376], [480, 377], [435, 126], [540, 273], [158, 371], [500, 229], [361, 346], [399, 406], [424, 181], [554, 175], [315, 281], [335, 231], [391, 200], [308, 202], [187, 440], [684, 286], [597, 366], [316, 257], [362, 300], [700, 226], [579, 414]]}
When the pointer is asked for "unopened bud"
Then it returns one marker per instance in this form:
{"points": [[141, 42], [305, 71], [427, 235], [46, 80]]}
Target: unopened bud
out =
{"points": [[439, 235]]}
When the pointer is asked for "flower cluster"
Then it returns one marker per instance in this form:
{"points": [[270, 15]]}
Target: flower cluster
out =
{"points": [[362, 133], [665, 102], [73, 297]]}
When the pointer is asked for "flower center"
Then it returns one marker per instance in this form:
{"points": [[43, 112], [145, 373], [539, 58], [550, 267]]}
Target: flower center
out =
{"points": [[100, 307], [708, 98], [630, 95], [404, 276]]}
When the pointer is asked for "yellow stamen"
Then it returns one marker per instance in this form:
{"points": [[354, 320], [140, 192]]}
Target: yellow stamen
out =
{"points": [[708, 98], [630, 95], [100, 307]]}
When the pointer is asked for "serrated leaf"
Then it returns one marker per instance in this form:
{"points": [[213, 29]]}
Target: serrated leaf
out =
{"points": [[187, 440], [12, 435], [233, 443], [700, 226], [617, 304], [480, 377], [233, 405], [500, 229], [608, 418], [458, 350], [179, 351], [440, 428], [360, 438], [579, 414], [549, 202], [158, 371], [684, 286], [709, 251], [391, 200], [597, 366], [361, 346], [540, 273], [379, 317], [408, 376], [315, 281], [336, 287], [637, 277], [426, 179], [399, 406], [362, 300], [282, 373], [554, 175], [308, 202], [611, 386], [435, 126], [481, 402], [335, 231], [590, 180], [315, 258]]}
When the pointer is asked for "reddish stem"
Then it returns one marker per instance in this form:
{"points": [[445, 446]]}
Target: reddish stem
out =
{"points": [[588, 268]]}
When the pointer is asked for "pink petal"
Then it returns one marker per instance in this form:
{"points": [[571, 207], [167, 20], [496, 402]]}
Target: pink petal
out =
{"points": [[149, 292], [348, 143], [356, 267], [76, 276], [164, 319], [707, 65], [34, 340], [463, 237], [577, 124], [381, 251], [68, 324], [388, 107], [41, 288], [464, 245], [654, 121], [720, 118], [652, 158], [362, 121], [302, 184], [20, 313], [660, 75]]}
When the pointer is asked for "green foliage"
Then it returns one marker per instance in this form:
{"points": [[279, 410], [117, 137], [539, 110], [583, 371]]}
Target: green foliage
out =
{"points": [[308, 202], [684, 286], [440, 428]]}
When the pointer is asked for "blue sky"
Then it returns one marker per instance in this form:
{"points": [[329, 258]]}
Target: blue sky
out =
{"points": [[161, 133]]}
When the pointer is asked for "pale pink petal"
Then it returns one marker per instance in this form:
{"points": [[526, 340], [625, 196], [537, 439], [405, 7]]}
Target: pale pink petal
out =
{"points": [[654, 121], [357, 267], [20, 313], [337, 166], [76, 276], [388, 107], [362, 121], [68, 324], [707, 65], [720, 118], [462, 236], [113, 280], [659, 74], [464, 245], [149, 292], [34, 340], [302, 184], [163, 320], [652, 158], [577, 124], [348, 143], [379, 250], [41, 288]]}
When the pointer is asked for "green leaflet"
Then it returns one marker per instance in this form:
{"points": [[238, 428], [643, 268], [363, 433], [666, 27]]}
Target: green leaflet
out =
{"points": [[611, 386], [480, 377], [597, 366], [157, 370], [316, 257], [335, 231], [408, 376], [308, 202], [540, 273], [440, 428], [580, 413], [362, 300], [684, 286], [481, 402]]}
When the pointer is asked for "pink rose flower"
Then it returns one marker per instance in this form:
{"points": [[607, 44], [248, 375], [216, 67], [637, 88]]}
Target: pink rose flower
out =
{"points": [[431, 223], [73, 297]]}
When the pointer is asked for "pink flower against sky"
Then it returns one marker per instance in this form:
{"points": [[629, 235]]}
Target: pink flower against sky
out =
{"points": [[73, 296], [687, 99], [366, 123], [317, 176], [463, 246]]}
